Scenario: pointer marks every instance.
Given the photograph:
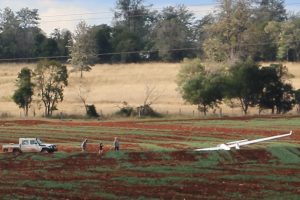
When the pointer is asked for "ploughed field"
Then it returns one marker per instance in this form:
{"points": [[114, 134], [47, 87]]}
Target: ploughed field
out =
{"points": [[156, 160]]}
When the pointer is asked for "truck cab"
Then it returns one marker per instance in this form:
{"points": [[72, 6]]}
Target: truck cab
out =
{"points": [[29, 145]]}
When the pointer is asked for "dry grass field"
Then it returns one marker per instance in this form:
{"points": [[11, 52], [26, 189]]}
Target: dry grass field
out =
{"points": [[107, 86]]}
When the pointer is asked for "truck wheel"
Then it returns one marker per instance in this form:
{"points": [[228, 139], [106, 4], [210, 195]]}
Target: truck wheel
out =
{"points": [[45, 151], [16, 152]]}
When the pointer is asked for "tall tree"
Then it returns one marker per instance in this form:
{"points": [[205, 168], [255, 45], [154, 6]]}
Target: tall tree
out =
{"points": [[265, 11], [277, 94], [82, 50], [201, 34], [18, 31], [199, 87], [127, 46], [173, 33], [228, 36], [204, 91], [271, 10], [244, 84], [51, 78], [133, 15], [286, 35], [9, 25], [132, 26], [23, 95], [297, 99], [190, 69], [45, 47], [289, 40], [28, 18], [102, 35], [28, 29], [62, 39]]}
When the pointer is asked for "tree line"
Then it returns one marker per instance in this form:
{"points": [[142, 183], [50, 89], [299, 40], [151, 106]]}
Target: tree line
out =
{"points": [[245, 84], [231, 40], [261, 30]]}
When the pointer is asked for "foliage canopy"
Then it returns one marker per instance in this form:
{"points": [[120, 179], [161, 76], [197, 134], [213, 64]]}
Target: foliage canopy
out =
{"points": [[50, 79], [23, 94]]}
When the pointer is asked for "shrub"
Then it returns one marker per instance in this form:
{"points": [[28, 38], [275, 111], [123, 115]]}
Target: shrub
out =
{"points": [[126, 110], [147, 111], [91, 111]]}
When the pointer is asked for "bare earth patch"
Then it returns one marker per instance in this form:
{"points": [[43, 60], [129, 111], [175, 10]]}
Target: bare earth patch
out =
{"points": [[139, 172]]}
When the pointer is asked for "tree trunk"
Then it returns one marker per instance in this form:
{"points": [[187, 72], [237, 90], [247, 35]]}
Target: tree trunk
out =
{"points": [[231, 53], [273, 110], [246, 110], [26, 111], [244, 106], [47, 110]]}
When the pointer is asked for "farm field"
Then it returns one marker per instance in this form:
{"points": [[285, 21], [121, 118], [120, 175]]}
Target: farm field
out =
{"points": [[156, 160]]}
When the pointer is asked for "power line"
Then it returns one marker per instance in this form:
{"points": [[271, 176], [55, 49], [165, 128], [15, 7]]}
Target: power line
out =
{"points": [[74, 14], [292, 4], [105, 12], [154, 8], [132, 16], [96, 18], [136, 52], [33, 58], [100, 54]]}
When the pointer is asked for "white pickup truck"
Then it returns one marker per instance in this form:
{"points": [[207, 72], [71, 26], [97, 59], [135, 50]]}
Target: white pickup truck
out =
{"points": [[29, 145]]}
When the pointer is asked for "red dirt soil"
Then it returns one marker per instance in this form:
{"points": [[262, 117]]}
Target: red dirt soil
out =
{"points": [[148, 125], [213, 185]]}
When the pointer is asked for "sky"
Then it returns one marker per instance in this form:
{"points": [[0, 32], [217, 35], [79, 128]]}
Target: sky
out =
{"points": [[67, 13]]}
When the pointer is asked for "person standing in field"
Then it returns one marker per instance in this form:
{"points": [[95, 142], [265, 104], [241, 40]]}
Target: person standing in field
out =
{"points": [[83, 145], [116, 144], [100, 149]]}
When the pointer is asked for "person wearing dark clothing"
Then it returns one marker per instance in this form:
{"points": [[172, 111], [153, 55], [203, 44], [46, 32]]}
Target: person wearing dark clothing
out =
{"points": [[100, 149], [116, 144]]}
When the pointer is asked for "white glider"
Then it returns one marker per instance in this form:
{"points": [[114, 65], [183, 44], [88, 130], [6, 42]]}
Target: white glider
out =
{"points": [[237, 144]]}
